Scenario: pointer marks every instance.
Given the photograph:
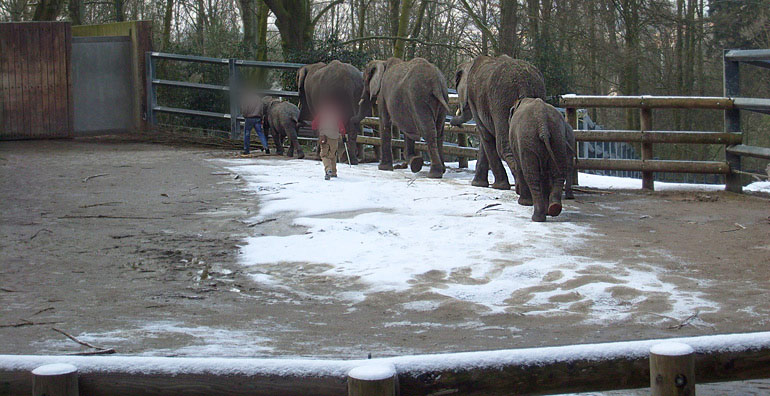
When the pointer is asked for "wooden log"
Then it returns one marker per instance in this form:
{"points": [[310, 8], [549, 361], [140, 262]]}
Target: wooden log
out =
{"points": [[672, 369], [372, 380], [705, 167], [647, 102], [690, 137], [58, 379], [648, 180]]}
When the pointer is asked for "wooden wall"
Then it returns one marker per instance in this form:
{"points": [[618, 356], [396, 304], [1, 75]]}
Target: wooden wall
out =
{"points": [[35, 83]]}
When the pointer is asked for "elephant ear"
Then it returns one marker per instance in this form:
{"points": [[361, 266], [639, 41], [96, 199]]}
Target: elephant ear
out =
{"points": [[301, 74], [374, 73]]}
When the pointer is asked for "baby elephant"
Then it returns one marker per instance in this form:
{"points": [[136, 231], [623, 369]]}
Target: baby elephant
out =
{"points": [[538, 138], [281, 119]]}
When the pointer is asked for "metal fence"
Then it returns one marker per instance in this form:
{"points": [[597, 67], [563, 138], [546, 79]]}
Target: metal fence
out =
{"points": [[233, 67]]}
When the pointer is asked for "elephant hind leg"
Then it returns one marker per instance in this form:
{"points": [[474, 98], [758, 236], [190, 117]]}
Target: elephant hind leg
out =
{"points": [[532, 170]]}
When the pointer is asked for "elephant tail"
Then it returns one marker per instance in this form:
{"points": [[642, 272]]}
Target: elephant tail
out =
{"points": [[440, 96], [545, 135]]}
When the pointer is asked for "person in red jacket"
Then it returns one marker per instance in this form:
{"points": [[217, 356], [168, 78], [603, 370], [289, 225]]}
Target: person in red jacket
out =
{"points": [[331, 128]]}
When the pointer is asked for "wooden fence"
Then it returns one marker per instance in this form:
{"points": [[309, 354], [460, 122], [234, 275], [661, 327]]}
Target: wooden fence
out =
{"points": [[549, 370], [35, 83]]}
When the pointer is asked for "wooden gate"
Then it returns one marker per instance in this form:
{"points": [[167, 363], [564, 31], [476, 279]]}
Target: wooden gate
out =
{"points": [[35, 83]]}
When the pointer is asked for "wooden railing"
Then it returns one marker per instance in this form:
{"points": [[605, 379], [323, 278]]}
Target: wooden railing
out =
{"points": [[550, 370]]}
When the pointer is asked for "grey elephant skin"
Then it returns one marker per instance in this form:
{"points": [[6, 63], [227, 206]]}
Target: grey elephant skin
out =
{"points": [[487, 88], [412, 95], [538, 139], [336, 81], [282, 120]]}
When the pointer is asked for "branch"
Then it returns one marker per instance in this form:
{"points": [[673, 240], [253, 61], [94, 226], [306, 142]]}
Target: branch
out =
{"points": [[325, 10], [416, 40], [479, 23]]}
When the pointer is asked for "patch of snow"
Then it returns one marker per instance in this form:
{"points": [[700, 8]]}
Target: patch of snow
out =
{"points": [[626, 183], [378, 231], [763, 187], [671, 349], [373, 372], [55, 369]]}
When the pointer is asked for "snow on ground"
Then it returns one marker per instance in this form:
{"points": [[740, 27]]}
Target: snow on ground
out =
{"points": [[759, 187], [396, 232]]}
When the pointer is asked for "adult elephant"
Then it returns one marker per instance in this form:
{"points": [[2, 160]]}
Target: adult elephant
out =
{"points": [[413, 95], [488, 87], [338, 82], [281, 120]]}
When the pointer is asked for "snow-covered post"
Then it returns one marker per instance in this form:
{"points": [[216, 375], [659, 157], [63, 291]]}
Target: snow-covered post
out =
{"points": [[59, 379], [372, 380], [572, 120], [672, 369]]}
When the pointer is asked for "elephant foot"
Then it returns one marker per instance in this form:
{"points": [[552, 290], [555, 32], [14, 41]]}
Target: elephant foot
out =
{"points": [[503, 185], [415, 164], [479, 183], [569, 194], [538, 217], [525, 201], [301, 155], [385, 167], [435, 173], [402, 165], [554, 209], [353, 161]]}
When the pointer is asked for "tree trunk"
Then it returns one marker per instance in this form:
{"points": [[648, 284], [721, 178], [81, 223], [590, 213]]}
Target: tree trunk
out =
{"points": [[262, 12], [403, 25], [484, 38], [509, 39], [120, 14], [167, 17], [47, 10], [249, 20], [533, 17], [361, 23], [75, 11], [292, 17], [417, 28]]}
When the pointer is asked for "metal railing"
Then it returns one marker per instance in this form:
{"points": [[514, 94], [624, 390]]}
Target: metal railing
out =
{"points": [[233, 66]]}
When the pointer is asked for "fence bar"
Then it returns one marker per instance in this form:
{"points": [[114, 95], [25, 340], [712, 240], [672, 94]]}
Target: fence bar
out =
{"points": [[747, 55], [750, 151], [650, 166], [189, 58], [670, 102], [758, 105], [693, 137], [551, 370], [732, 87], [185, 84], [55, 380], [176, 110], [467, 152], [648, 179], [150, 88], [273, 65], [234, 99]]}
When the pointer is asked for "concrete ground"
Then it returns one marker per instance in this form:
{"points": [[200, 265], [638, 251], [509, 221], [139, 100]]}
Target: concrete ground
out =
{"points": [[134, 246]]}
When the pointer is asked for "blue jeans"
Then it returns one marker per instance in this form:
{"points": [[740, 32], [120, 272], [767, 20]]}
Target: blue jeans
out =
{"points": [[256, 123]]}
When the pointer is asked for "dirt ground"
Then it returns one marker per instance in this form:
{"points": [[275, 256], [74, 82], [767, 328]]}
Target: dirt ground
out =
{"points": [[135, 246]]}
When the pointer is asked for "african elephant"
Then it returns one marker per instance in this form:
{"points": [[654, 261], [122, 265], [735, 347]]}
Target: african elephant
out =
{"points": [[538, 142], [338, 82], [413, 95], [487, 88], [281, 119]]}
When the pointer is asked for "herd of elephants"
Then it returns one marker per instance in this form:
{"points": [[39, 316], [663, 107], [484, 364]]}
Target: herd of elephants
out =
{"points": [[505, 97]]}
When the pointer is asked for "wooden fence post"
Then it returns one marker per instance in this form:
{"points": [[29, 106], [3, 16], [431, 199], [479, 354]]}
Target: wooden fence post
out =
{"points": [[372, 380], [732, 88], [648, 181], [462, 141], [234, 105], [572, 120], [672, 369], [59, 379]]}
